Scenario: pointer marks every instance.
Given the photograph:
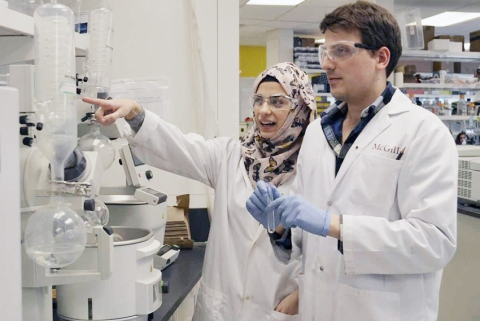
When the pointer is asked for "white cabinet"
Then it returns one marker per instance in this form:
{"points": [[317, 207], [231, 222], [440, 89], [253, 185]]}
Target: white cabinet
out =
{"points": [[16, 38]]}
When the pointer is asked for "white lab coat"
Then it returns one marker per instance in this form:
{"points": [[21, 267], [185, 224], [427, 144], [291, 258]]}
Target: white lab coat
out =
{"points": [[241, 279], [399, 218]]}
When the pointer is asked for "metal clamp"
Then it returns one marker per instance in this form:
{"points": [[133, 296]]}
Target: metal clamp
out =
{"points": [[71, 188]]}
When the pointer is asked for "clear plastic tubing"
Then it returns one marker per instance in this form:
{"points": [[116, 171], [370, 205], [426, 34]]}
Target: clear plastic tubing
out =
{"points": [[99, 51], [55, 90]]}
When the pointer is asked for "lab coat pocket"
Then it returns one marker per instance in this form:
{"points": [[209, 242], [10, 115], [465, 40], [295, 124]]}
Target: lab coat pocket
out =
{"points": [[277, 316], [379, 189], [364, 305], [210, 304]]}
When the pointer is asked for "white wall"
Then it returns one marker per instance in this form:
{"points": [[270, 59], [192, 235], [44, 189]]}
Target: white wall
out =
{"points": [[246, 85], [152, 39]]}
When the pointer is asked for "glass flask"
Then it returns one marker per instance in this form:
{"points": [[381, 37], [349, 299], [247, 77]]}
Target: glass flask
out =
{"points": [[97, 217], [55, 236], [95, 141]]}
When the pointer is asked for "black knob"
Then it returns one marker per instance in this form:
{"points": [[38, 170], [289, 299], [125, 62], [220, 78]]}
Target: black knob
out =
{"points": [[24, 131], [79, 91], [165, 286], [89, 205], [120, 161], [149, 174], [23, 120], [85, 79], [108, 229], [39, 126], [28, 141]]}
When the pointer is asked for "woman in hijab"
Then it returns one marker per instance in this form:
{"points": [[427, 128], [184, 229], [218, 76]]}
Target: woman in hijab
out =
{"points": [[241, 278]]}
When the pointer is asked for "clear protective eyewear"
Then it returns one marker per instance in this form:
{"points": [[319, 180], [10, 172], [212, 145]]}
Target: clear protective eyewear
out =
{"points": [[276, 102], [341, 50]]}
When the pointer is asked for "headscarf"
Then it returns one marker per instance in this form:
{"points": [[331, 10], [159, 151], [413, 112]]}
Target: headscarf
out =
{"points": [[274, 160]]}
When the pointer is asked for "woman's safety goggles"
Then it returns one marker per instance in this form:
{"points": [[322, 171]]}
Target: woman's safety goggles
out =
{"points": [[341, 50], [276, 102]]}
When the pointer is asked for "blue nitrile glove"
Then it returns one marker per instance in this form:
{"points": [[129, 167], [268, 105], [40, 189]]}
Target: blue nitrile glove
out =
{"points": [[258, 201], [296, 211]]}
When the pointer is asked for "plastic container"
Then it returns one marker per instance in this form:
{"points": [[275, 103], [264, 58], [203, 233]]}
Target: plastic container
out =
{"points": [[55, 87], [410, 23], [462, 106], [98, 63]]}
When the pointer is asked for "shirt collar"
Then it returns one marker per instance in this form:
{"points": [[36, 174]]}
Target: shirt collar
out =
{"points": [[382, 100]]}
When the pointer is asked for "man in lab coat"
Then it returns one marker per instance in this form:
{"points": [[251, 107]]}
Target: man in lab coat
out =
{"points": [[375, 193]]}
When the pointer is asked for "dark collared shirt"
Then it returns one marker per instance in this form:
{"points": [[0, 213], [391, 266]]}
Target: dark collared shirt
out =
{"points": [[332, 122]]}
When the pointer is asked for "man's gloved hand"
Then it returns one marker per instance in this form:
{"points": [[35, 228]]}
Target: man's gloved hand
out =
{"points": [[296, 211], [259, 200]]}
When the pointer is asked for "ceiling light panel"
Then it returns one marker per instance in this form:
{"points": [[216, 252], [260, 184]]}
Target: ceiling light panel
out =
{"points": [[275, 2], [449, 18]]}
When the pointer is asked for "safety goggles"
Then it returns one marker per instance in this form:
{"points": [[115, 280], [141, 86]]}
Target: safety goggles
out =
{"points": [[276, 102], [341, 50]]}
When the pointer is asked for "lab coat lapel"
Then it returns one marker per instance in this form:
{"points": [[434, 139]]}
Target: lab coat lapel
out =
{"points": [[260, 228], [375, 127]]}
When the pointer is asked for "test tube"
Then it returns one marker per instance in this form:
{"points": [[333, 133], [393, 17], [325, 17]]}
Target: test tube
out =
{"points": [[270, 215]]}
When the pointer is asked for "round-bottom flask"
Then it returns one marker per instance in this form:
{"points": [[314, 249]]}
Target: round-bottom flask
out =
{"points": [[96, 141], [98, 217], [55, 235]]}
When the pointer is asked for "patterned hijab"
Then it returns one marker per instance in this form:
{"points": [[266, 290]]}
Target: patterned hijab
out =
{"points": [[274, 160]]}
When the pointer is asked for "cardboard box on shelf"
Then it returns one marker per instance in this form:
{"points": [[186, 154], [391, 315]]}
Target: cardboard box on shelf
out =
{"points": [[308, 42], [428, 35], [455, 40], [455, 67], [475, 41], [178, 226], [439, 44]]}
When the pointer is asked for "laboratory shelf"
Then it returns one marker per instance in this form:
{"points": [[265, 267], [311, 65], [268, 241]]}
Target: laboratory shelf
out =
{"points": [[456, 117], [440, 56], [314, 71], [14, 23], [323, 95], [16, 38], [439, 86]]}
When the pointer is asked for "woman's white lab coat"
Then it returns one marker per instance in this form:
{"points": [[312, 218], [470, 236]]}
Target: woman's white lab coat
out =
{"points": [[399, 218], [241, 279]]}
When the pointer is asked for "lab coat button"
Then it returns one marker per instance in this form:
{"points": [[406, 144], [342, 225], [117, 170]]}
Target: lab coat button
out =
{"points": [[321, 268], [329, 203]]}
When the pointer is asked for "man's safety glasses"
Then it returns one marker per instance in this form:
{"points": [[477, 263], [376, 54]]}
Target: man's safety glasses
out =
{"points": [[276, 102], [341, 50]]}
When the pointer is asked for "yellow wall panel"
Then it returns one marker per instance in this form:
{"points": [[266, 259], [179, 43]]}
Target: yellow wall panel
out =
{"points": [[253, 60]]}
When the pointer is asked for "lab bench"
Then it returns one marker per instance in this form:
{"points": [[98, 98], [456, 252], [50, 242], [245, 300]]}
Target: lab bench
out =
{"points": [[182, 276], [469, 210]]}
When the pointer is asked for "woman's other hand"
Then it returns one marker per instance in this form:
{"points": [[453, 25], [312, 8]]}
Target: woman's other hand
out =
{"points": [[289, 305], [110, 110]]}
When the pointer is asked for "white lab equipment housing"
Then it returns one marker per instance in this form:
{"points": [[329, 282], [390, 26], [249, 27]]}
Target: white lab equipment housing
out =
{"points": [[469, 174], [133, 291]]}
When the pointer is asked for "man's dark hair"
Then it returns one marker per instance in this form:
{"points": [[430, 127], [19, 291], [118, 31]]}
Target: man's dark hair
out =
{"points": [[377, 27]]}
